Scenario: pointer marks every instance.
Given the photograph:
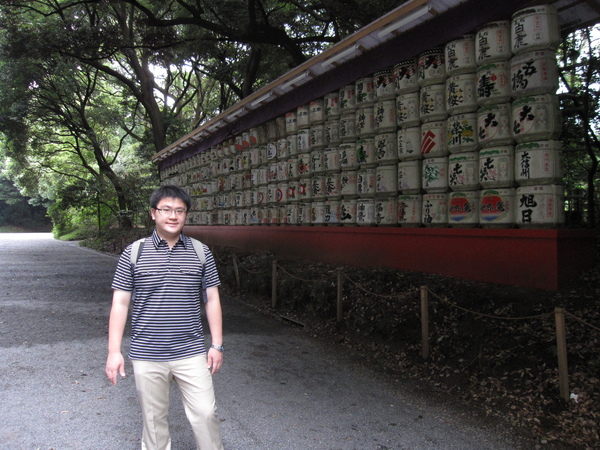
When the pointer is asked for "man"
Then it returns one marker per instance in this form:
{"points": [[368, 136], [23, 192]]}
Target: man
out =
{"points": [[167, 340]]}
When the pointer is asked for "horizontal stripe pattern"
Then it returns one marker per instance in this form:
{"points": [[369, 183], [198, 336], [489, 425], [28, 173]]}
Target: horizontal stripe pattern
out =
{"points": [[166, 283]]}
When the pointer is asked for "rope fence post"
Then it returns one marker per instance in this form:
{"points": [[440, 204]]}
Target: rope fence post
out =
{"points": [[424, 322], [340, 287], [274, 284], [561, 347], [236, 270]]}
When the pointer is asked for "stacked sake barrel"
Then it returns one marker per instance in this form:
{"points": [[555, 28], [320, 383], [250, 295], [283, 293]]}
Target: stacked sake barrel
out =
{"points": [[461, 135]]}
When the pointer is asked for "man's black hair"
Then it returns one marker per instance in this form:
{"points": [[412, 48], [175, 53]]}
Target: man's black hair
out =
{"points": [[170, 191]]}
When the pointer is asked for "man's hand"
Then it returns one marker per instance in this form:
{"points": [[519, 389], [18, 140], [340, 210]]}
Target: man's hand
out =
{"points": [[115, 364], [214, 360]]}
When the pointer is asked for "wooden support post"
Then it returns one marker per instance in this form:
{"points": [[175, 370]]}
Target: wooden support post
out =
{"points": [[274, 285], [340, 288], [561, 350], [236, 270], [424, 322]]}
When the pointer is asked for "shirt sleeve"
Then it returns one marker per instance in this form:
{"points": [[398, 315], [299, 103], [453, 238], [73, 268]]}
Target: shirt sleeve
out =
{"points": [[210, 269], [123, 278]]}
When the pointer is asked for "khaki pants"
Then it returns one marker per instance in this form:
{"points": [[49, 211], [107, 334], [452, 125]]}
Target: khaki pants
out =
{"points": [[153, 379]]}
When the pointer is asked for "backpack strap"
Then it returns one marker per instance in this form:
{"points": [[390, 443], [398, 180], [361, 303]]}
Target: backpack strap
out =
{"points": [[199, 249], [136, 251]]}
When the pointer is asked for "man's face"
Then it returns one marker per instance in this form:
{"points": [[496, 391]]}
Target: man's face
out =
{"points": [[169, 223]]}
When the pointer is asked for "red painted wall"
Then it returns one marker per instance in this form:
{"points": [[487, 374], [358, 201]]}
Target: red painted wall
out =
{"points": [[538, 258]]}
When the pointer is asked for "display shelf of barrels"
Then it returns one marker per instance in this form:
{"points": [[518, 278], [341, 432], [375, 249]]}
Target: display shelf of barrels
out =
{"points": [[463, 135]]}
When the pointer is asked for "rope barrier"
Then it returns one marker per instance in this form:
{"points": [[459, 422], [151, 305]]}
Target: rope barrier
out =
{"points": [[582, 321], [489, 316], [255, 272], [298, 278]]}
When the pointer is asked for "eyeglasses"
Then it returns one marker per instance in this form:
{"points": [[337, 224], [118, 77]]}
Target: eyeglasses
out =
{"points": [[168, 211]]}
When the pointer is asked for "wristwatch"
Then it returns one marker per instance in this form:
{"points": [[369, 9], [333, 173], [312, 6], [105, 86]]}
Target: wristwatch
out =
{"points": [[218, 347]]}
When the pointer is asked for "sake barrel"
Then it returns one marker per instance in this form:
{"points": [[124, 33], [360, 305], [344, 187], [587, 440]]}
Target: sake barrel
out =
{"points": [[283, 150], [318, 189], [409, 210], [317, 135], [304, 213], [494, 125], [332, 212], [408, 113], [536, 118], [385, 116], [410, 176], [460, 55], [364, 121], [540, 205], [365, 182], [318, 213], [386, 151], [282, 193], [331, 103], [271, 193], [461, 133], [365, 91], [534, 73], [271, 151], [431, 67], [333, 185], [461, 93], [292, 192], [347, 98], [292, 168], [292, 211], [463, 208], [332, 132], [246, 139], [304, 191], [348, 210], [386, 180], [317, 161], [435, 209], [347, 130], [331, 159], [496, 167], [385, 84], [435, 175], [291, 125], [432, 103], [283, 173], [463, 171], [497, 207], [292, 144], [280, 126], [304, 165], [349, 183], [316, 111], [365, 152], [493, 43], [493, 83], [348, 155], [406, 76], [409, 143], [303, 141], [535, 27], [386, 211], [538, 163], [365, 212], [303, 116], [434, 140]]}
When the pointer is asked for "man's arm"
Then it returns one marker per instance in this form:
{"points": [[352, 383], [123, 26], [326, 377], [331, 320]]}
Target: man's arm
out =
{"points": [[215, 323], [116, 326]]}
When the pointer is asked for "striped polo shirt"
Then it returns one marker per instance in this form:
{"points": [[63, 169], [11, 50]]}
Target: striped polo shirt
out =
{"points": [[167, 300]]}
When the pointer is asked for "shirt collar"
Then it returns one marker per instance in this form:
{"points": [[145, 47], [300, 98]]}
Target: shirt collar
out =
{"points": [[157, 240]]}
